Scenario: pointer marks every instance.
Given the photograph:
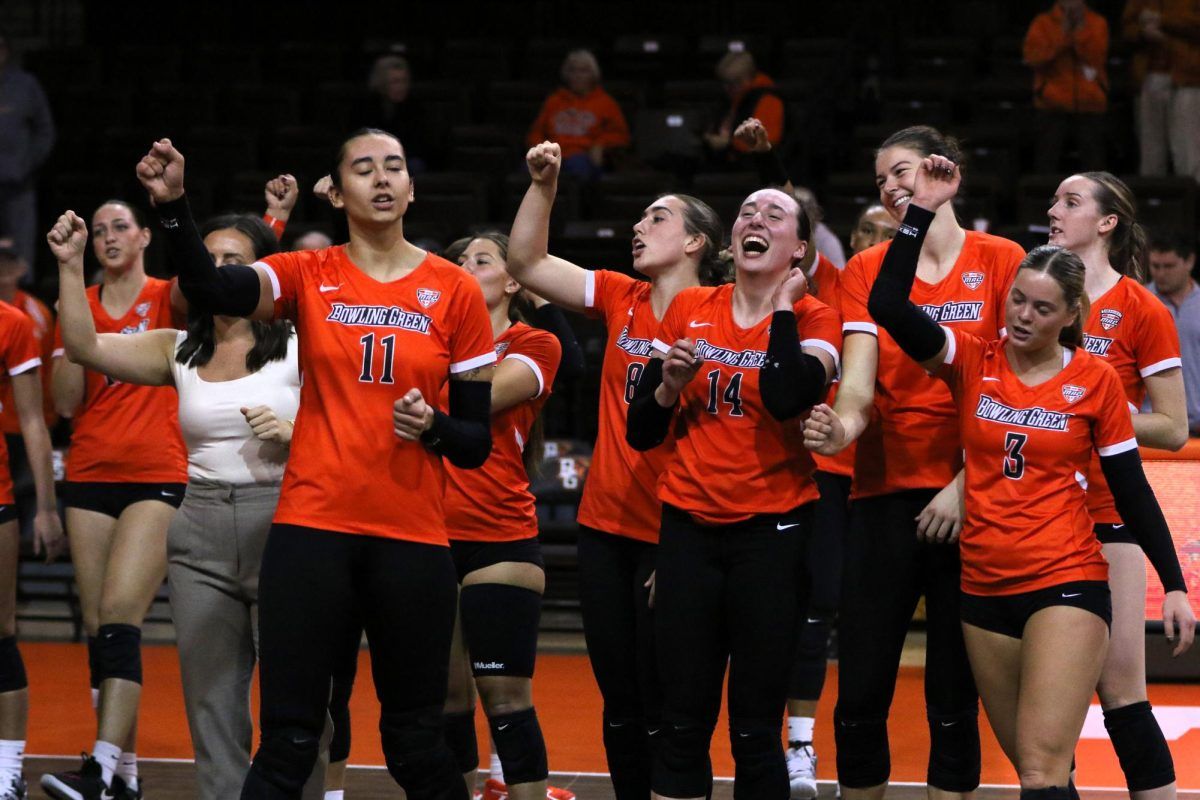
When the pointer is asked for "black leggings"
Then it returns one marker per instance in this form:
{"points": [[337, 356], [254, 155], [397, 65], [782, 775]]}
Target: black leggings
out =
{"points": [[886, 572], [345, 669], [315, 588], [830, 520], [727, 595], [618, 627]]}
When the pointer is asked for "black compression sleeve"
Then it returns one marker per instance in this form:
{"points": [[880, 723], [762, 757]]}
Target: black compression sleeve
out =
{"points": [[648, 423], [551, 318], [1139, 509], [918, 336], [790, 380], [771, 171], [464, 436], [231, 290]]}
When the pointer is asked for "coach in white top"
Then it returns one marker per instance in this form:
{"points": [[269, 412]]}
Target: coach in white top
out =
{"points": [[239, 389]]}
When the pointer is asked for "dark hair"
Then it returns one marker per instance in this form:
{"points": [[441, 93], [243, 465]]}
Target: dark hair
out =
{"points": [[928, 141], [1128, 249], [139, 216], [699, 219], [1068, 272], [334, 173], [270, 338], [1172, 241], [453, 251], [520, 309]]}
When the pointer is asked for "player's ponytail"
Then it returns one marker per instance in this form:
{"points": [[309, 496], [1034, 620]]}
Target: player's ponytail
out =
{"points": [[1068, 272], [699, 219], [1128, 244]]}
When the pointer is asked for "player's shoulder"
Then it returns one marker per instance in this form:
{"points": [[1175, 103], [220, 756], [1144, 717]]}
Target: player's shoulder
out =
{"points": [[869, 261], [522, 336]]}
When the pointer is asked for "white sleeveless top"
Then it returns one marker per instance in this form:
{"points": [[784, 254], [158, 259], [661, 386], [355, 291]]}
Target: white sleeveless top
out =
{"points": [[220, 444]]}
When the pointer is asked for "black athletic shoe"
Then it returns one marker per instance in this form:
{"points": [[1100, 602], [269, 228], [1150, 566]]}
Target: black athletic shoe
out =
{"points": [[15, 790], [125, 793], [85, 783]]}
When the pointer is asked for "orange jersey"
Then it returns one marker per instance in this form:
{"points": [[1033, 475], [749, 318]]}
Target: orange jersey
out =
{"points": [[1133, 331], [620, 496], [124, 433], [43, 332], [732, 459], [363, 345], [493, 503], [912, 441], [19, 353], [825, 283], [1027, 526], [578, 123]]}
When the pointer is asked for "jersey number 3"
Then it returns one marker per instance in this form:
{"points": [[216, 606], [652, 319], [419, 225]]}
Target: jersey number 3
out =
{"points": [[1014, 460]]}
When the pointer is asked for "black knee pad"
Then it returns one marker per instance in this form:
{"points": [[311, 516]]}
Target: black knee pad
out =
{"points": [[682, 767], [339, 706], [93, 663], [417, 757], [460, 736], [1048, 793], [809, 663], [282, 764], [758, 754], [1072, 792], [12, 668], [519, 743], [339, 745], [627, 747], [119, 653], [954, 759], [1140, 745], [863, 758], [500, 627]]}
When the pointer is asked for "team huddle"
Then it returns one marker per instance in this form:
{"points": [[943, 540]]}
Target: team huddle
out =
{"points": [[782, 444]]}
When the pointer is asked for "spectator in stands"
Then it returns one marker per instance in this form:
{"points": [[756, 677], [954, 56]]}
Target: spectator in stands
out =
{"points": [[582, 119], [751, 94], [824, 240], [26, 138], [312, 240], [1066, 47], [1166, 64], [874, 225], [1172, 265], [391, 107]]}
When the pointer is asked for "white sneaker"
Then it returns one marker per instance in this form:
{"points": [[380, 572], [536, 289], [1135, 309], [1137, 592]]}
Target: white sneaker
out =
{"points": [[802, 770]]}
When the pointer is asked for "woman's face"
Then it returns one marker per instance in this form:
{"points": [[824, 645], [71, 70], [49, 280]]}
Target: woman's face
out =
{"points": [[1036, 311], [482, 259], [579, 76], [117, 239], [874, 226], [765, 237], [229, 246], [895, 174], [660, 238], [1076, 221], [376, 187], [396, 85]]}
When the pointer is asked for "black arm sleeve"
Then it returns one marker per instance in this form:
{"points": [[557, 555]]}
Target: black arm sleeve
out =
{"points": [[464, 436], [770, 168], [231, 290], [918, 336], [551, 318], [791, 380], [648, 423], [1139, 509]]}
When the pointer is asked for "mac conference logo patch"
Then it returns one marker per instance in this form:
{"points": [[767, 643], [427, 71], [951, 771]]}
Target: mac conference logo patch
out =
{"points": [[427, 297], [1110, 318]]}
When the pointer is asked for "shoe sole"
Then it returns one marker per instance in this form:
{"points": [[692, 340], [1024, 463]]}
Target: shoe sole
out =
{"points": [[803, 791]]}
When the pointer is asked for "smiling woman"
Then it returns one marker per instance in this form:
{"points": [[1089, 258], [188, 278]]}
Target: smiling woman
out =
{"points": [[337, 556], [732, 542]]}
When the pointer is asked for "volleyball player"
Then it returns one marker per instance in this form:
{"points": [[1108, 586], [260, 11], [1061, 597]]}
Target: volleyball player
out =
{"points": [[1033, 407], [126, 474], [20, 359], [737, 365], [1093, 216], [492, 523], [383, 325], [905, 509], [676, 245]]}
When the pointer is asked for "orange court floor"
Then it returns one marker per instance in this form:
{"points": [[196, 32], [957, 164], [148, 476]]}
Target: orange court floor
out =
{"points": [[61, 722]]}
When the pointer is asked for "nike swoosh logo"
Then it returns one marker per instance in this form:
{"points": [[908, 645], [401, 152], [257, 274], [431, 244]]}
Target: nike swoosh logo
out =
{"points": [[812, 621], [991, 379], [167, 494], [503, 727], [949, 724], [1115, 527], [1077, 594], [325, 288], [694, 324], [779, 526]]}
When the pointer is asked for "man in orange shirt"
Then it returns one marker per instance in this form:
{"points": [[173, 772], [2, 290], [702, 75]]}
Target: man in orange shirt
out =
{"points": [[1066, 47], [751, 94]]}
